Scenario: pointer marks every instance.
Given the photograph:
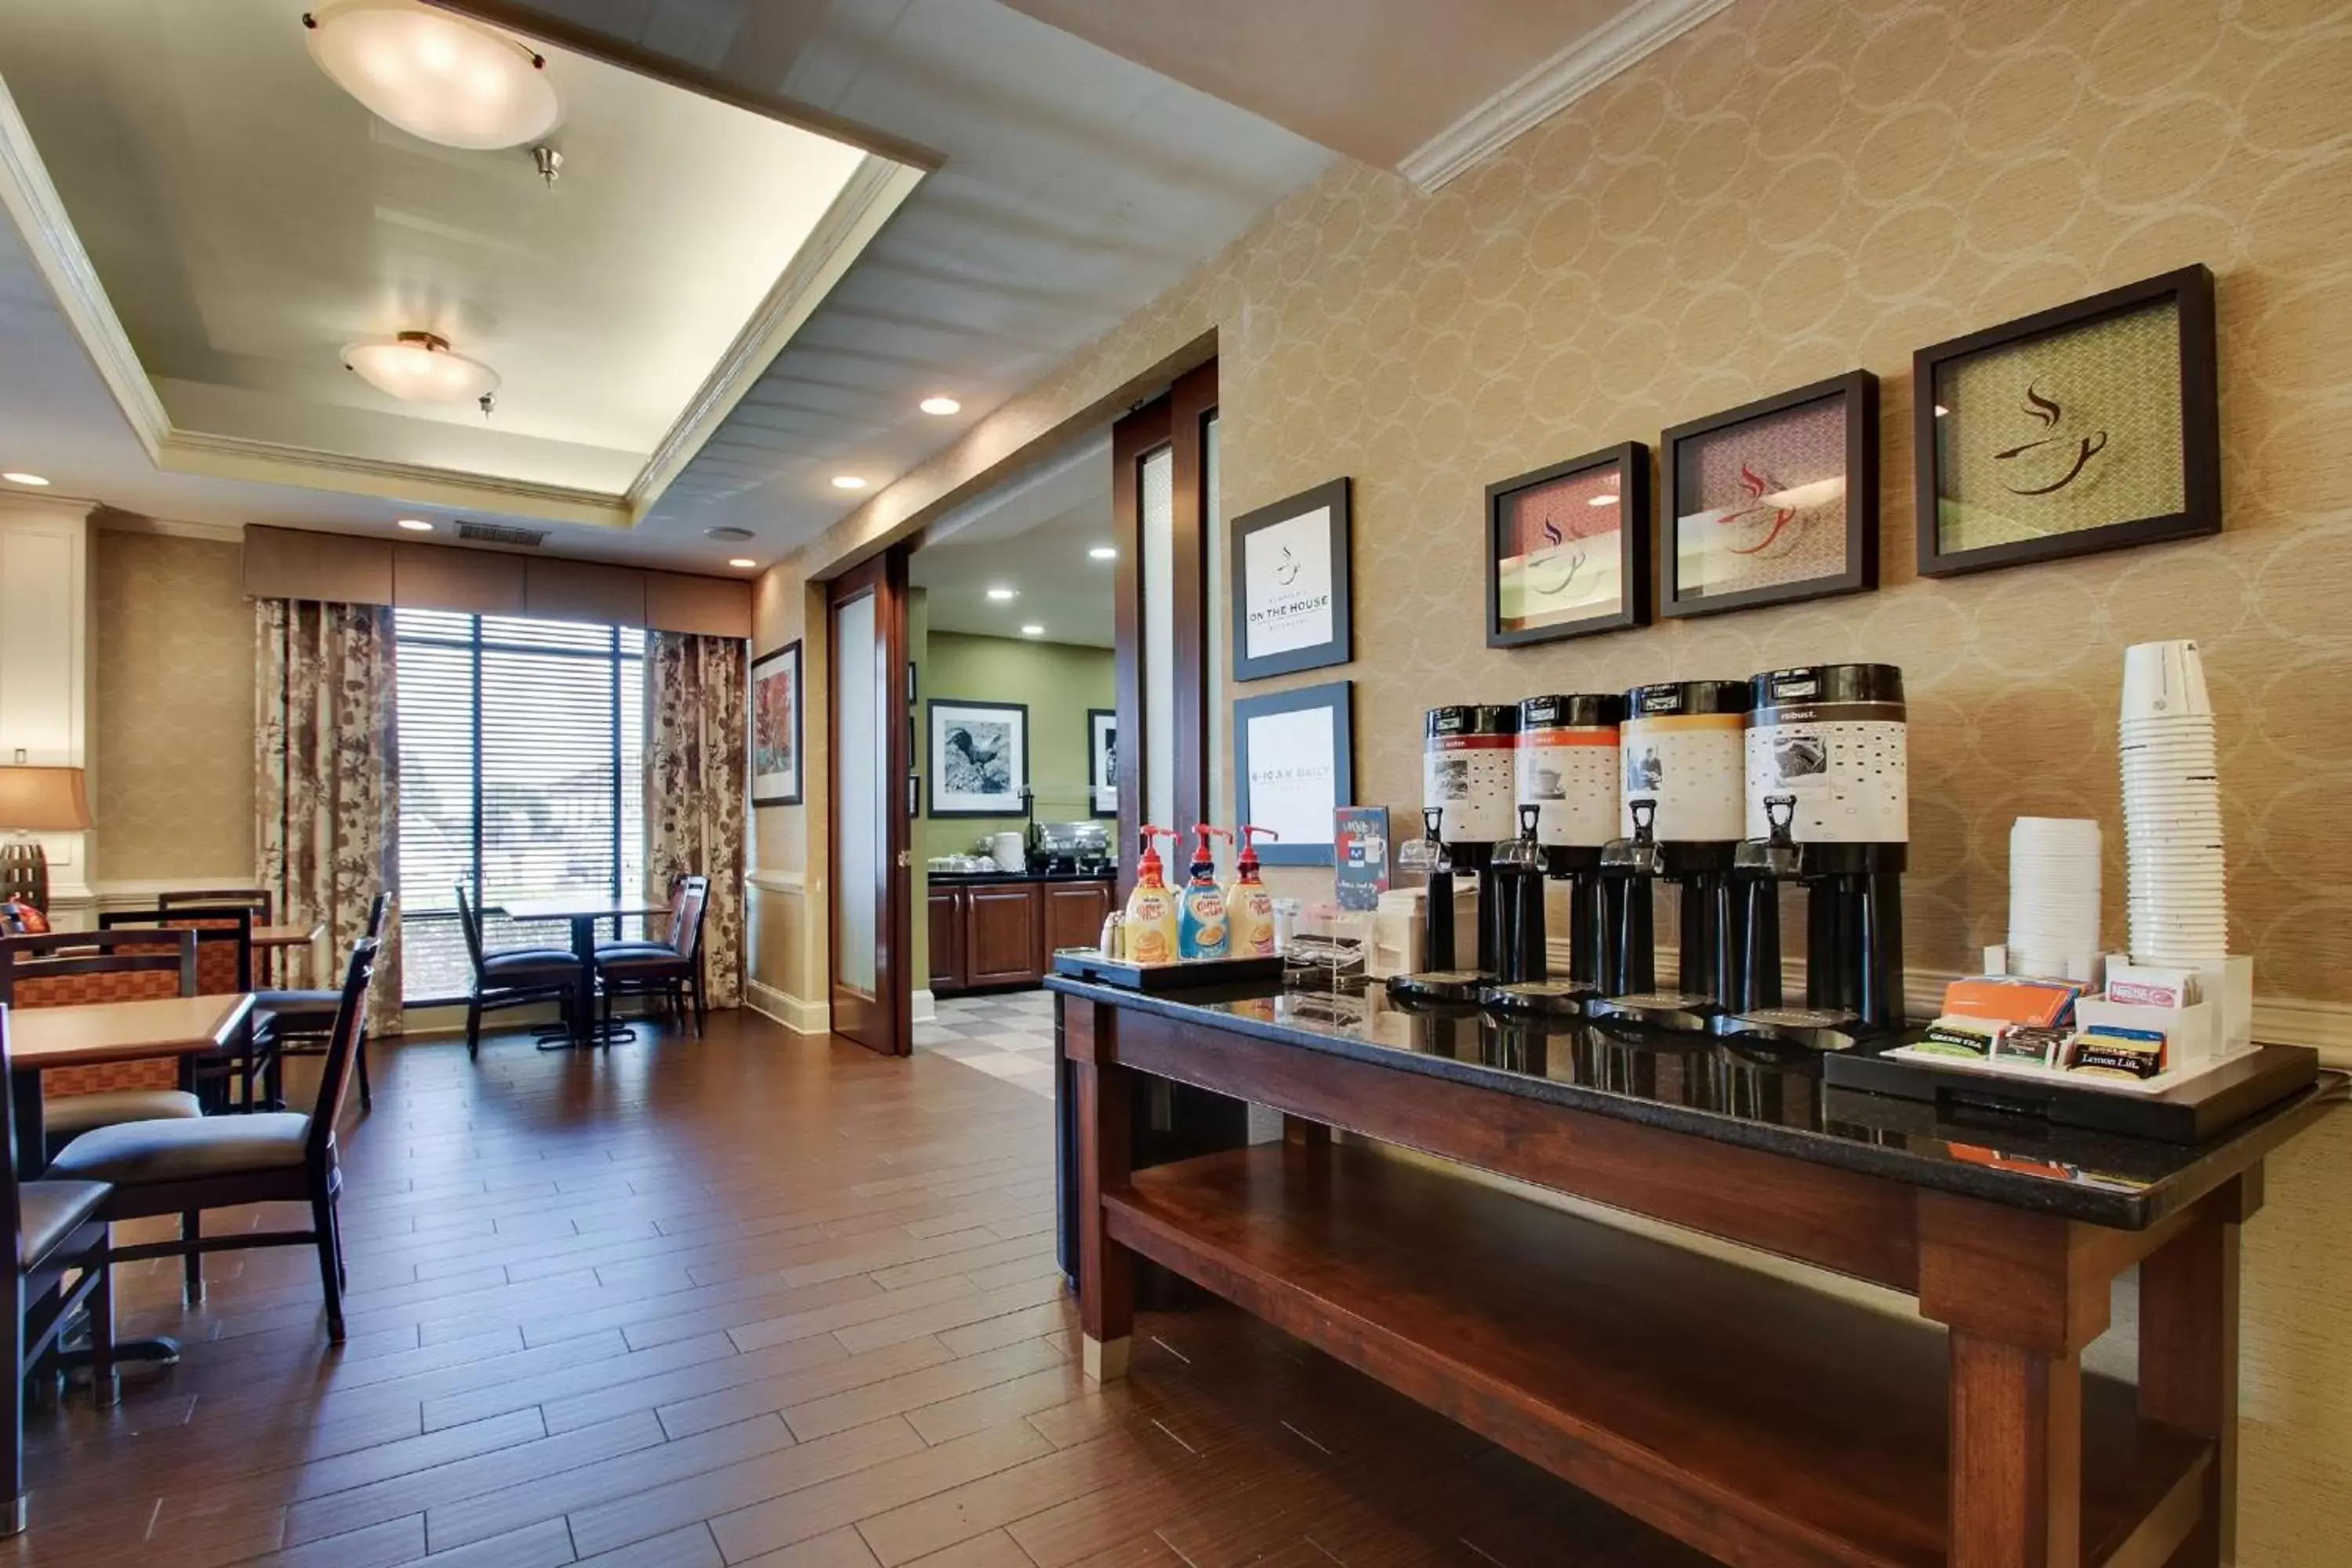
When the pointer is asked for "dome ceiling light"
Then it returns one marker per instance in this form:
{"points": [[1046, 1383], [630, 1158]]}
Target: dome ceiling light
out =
{"points": [[421, 367], [440, 77]]}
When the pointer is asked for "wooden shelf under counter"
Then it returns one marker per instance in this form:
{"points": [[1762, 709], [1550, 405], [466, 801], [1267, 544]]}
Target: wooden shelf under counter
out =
{"points": [[1757, 1419]]}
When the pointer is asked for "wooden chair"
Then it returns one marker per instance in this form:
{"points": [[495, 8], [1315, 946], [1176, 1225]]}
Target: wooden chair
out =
{"points": [[60, 969], [511, 979], [224, 968], [668, 968], [222, 1162], [300, 1023], [60, 1231]]}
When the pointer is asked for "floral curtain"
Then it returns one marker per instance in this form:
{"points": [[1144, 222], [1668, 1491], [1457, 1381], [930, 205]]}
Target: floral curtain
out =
{"points": [[327, 779], [696, 788]]}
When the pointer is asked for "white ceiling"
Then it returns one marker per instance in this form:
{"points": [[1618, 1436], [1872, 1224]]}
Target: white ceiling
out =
{"points": [[1074, 186], [1030, 536], [246, 218]]}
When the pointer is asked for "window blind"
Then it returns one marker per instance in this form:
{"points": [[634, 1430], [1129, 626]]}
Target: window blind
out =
{"points": [[521, 747]]}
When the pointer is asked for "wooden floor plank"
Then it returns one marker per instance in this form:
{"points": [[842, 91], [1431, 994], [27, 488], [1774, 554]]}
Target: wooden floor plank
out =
{"points": [[755, 1298]]}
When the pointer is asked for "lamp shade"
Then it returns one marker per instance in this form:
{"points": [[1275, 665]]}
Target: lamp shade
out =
{"points": [[419, 367], [43, 800]]}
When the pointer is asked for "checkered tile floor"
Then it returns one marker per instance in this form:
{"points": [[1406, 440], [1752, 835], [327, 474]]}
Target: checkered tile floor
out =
{"points": [[1009, 1033]]}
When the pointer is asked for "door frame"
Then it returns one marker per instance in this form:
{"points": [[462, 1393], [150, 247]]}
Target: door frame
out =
{"points": [[1176, 422], [883, 1022]]}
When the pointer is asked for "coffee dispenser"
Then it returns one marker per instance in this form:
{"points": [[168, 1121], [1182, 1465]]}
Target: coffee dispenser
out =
{"points": [[1567, 773], [1467, 775], [1828, 805], [1682, 816]]}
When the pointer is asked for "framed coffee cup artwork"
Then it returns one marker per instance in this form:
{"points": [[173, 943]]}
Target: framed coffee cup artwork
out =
{"points": [[2091, 427], [1291, 584], [1772, 502], [1568, 549]]}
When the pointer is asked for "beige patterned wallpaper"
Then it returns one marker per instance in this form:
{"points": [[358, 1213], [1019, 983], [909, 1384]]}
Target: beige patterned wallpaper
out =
{"points": [[175, 723], [1792, 190]]}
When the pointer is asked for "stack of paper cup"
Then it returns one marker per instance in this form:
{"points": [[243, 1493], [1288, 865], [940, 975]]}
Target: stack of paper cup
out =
{"points": [[2172, 808], [2053, 895]]}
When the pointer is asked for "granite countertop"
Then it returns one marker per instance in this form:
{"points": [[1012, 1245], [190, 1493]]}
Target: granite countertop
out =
{"points": [[966, 878], [1750, 1094]]}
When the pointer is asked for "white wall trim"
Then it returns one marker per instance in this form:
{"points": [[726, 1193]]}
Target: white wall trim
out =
{"points": [[110, 521], [801, 1017], [926, 1008], [1553, 86], [777, 882]]}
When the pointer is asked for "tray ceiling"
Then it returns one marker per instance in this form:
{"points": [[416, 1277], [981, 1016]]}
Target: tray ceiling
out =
{"points": [[242, 218]]}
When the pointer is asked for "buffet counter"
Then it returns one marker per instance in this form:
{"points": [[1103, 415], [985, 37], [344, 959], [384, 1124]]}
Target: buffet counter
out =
{"points": [[1753, 1418]]}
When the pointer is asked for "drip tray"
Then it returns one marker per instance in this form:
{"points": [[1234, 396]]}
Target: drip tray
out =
{"points": [[1663, 1009], [1556, 997]]}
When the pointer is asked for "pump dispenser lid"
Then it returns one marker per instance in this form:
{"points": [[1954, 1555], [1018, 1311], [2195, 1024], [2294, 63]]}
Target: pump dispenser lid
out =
{"points": [[1148, 869], [1249, 833]]}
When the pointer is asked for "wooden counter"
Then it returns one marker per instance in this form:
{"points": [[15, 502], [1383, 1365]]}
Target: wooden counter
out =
{"points": [[1759, 1421]]}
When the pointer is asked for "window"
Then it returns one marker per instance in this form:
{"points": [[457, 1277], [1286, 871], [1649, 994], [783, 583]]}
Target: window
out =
{"points": [[521, 747]]}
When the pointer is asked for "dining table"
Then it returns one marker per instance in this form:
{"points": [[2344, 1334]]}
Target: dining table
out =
{"points": [[583, 912], [269, 940]]}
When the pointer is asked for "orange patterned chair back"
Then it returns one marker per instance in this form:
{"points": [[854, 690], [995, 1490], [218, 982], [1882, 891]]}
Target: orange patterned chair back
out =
{"points": [[66, 969], [224, 941]]}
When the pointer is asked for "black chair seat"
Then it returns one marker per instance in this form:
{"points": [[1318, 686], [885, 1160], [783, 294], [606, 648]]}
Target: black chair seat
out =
{"points": [[531, 966], [624, 949], [49, 1212], [136, 1153], [303, 1012], [658, 961]]}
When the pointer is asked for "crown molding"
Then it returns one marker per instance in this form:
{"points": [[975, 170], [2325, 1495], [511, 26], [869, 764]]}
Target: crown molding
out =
{"points": [[1551, 87], [857, 212], [873, 191], [109, 521]]}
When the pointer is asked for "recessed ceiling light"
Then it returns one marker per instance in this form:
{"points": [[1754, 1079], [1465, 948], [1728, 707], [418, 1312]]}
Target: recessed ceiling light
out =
{"points": [[419, 367], [941, 405], [743, 562], [1104, 553], [415, 525], [848, 482], [447, 79], [1003, 594], [35, 481], [1600, 500], [1033, 631]]}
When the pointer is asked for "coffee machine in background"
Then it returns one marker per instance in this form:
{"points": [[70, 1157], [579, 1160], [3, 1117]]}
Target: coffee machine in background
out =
{"points": [[1468, 779], [1828, 805], [1566, 760], [1682, 752]]}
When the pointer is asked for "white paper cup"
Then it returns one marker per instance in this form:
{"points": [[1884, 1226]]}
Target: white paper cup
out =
{"points": [[2164, 678]]}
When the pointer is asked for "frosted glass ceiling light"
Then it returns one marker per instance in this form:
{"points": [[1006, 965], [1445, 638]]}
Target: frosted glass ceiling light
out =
{"points": [[437, 76], [419, 367]]}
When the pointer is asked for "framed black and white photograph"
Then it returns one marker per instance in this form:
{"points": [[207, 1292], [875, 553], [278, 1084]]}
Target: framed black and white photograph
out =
{"points": [[979, 757], [1290, 583], [1102, 761], [776, 727], [1294, 767], [1568, 549], [2091, 427], [1772, 502]]}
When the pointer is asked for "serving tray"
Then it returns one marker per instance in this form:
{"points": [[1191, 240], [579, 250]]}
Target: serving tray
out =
{"points": [[1184, 974]]}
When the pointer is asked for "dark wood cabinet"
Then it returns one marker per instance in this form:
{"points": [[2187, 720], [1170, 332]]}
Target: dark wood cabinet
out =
{"points": [[1001, 934], [947, 939], [1004, 933], [1073, 915]]}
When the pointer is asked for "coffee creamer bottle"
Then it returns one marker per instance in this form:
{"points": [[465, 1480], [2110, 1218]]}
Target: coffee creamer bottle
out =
{"points": [[1150, 931], [1249, 907], [1200, 928]]}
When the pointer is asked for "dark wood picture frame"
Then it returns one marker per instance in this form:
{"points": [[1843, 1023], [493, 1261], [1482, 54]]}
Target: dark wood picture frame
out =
{"points": [[2191, 289], [1859, 389], [790, 653], [1096, 787], [1341, 646], [1337, 698], [1025, 801], [1632, 461]]}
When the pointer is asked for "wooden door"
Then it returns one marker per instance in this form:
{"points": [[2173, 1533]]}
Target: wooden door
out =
{"points": [[1160, 453], [947, 940], [1001, 934], [1074, 915], [872, 904]]}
